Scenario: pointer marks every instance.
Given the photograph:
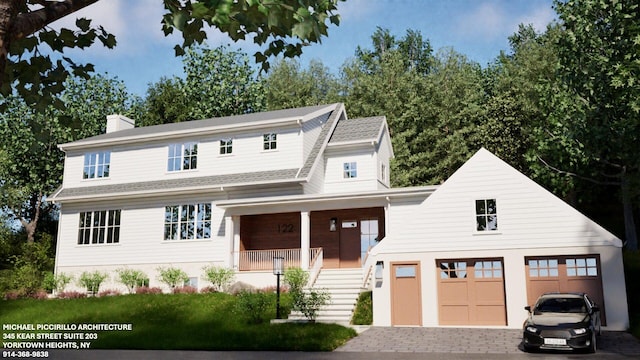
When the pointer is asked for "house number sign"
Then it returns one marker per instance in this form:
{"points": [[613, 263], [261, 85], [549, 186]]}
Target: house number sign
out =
{"points": [[285, 228]]}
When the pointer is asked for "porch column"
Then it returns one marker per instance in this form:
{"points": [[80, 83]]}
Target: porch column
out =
{"points": [[233, 230], [305, 239]]}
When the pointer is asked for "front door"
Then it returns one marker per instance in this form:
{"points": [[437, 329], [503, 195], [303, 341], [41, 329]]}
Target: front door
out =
{"points": [[349, 244], [406, 300]]}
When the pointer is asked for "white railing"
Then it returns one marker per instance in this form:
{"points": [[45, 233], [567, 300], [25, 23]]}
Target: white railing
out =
{"points": [[260, 260], [315, 266]]}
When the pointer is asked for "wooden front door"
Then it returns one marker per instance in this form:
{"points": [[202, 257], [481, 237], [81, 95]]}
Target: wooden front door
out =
{"points": [[349, 244], [406, 299]]}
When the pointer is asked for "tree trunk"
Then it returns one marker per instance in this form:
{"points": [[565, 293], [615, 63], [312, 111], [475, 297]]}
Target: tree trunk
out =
{"points": [[630, 234], [8, 12]]}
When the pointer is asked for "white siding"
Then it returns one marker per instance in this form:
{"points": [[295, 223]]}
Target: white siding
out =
{"points": [[149, 163], [367, 178], [316, 182], [141, 237]]}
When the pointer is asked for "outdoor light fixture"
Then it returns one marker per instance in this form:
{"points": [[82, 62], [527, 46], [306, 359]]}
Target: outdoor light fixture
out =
{"points": [[278, 269], [332, 224]]}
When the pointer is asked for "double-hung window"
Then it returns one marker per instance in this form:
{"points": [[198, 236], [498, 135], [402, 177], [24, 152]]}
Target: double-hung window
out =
{"points": [[182, 156], [486, 215], [269, 141], [187, 222], [99, 227], [96, 165], [226, 146], [350, 170]]}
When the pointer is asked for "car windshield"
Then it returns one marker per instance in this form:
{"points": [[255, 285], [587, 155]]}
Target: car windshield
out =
{"points": [[561, 305]]}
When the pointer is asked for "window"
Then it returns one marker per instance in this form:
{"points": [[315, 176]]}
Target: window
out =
{"points": [[383, 172], [350, 170], [486, 215], [187, 222], [99, 227], [182, 156], [582, 266], [543, 268], [96, 165], [226, 146], [453, 270], [269, 141], [488, 269]]}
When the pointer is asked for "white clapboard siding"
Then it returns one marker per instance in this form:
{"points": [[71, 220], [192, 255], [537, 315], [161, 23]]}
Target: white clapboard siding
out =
{"points": [[528, 215], [334, 172]]}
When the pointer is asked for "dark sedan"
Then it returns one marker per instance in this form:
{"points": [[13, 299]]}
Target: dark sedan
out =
{"points": [[562, 322]]}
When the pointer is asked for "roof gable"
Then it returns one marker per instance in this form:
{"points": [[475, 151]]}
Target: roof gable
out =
{"points": [[528, 215]]}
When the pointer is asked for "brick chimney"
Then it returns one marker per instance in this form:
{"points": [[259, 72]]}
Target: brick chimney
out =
{"points": [[119, 122]]}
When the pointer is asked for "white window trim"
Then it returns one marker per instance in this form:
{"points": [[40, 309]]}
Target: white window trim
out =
{"points": [[182, 145], [276, 142], [472, 215], [96, 165], [344, 172]]}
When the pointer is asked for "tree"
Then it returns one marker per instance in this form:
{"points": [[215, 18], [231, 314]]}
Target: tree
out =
{"points": [[288, 86], [599, 57], [220, 82], [33, 163], [283, 27], [164, 103]]}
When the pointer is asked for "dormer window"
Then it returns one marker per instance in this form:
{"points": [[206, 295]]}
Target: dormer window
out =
{"points": [[96, 165], [182, 156], [226, 146], [269, 141], [486, 215], [350, 170]]}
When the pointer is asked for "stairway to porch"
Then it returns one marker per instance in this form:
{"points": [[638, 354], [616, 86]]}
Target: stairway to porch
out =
{"points": [[344, 286]]}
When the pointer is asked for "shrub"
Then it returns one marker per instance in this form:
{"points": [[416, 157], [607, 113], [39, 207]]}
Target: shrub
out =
{"points": [[131, 278], [208, 290], [71, 295], [308, 302], [56, 282], [92, 281], [148, 290], [172, 276], [220, 277], [12, 295], [185, 290], [109, 292], [253, 306], [363, 314], [40, 295], [27, 280]]}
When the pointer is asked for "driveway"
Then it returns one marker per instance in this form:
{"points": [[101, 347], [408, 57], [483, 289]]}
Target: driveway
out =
{"points": [[468, 340]]}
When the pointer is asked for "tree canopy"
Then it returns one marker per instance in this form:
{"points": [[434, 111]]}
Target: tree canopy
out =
{"points": [[32, 61]]}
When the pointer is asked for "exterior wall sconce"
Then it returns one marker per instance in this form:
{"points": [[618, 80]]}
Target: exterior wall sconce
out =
{"points": [[333, 223], [378, 273], [278, 269]]}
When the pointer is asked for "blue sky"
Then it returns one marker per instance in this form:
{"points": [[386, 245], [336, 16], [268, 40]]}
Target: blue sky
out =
{"points": [[478, 29]]}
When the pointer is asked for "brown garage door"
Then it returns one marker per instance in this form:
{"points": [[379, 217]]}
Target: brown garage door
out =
{"points": [[579, 273], [471, 292]]}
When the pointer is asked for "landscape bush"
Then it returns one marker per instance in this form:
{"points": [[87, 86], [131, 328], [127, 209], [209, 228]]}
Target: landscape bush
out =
{"points": [[57, 282], [363, 313], [71, 295], [185, 290], [92, 281], [131, 278], [253, 306], [172, 276], [220, 277], [148, 290], [306, 301], [109, 292]]}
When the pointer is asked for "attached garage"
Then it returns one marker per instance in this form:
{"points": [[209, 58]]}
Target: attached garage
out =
{"points": [[565, 274], [471, 292]]}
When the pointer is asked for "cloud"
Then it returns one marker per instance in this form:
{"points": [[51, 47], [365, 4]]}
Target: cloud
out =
{"points": [[492, 21]]}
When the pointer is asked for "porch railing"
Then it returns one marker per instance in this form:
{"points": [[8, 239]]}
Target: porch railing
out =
{"points": [[315, 265], [261, 260]]}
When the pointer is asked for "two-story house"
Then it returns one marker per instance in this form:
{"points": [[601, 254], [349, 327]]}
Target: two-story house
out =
{"points": [[312, 186]]}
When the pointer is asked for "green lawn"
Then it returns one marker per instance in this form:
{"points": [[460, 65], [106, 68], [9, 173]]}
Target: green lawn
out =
{"points": [[176, 321]]}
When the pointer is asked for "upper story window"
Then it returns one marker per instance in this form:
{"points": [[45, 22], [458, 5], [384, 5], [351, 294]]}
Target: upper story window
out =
{"points": [[269, 141], [187, 222], [96, 165], [350, 170], [486, 215], [383, 172], [99, 227], [226, 146], [182, 156]]}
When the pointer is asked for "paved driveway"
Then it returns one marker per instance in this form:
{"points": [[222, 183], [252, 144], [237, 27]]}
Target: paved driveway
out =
{"points": [[467, 340]]}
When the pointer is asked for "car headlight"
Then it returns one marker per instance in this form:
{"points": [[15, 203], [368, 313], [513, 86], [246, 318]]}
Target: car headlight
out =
{"points": [[580, 331], [531, 329]]}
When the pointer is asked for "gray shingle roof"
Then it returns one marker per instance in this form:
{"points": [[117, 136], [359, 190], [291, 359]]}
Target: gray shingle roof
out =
{"points": [[357, 130], [207, 123], [180, 184]]}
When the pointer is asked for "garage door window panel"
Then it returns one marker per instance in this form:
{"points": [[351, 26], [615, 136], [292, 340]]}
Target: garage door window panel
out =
{"points": [[582, 267], [453, 270], [543, 268]]}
